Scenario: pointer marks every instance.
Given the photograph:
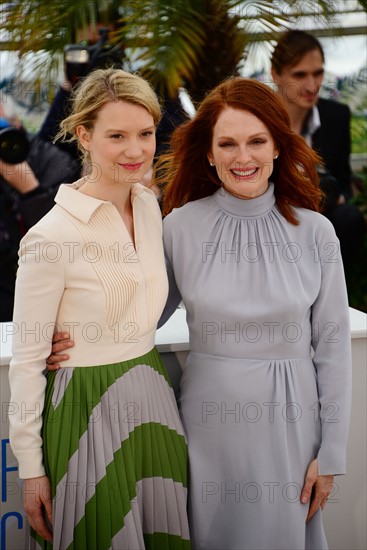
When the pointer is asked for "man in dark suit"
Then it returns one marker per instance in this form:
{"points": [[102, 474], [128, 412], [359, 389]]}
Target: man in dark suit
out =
{"points": [[332, 141], [297, 68]]}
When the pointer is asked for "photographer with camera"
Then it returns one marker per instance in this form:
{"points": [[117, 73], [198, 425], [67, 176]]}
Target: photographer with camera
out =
{"points": [[31, 171], [298, 71], [80, 60], [19, 177]]}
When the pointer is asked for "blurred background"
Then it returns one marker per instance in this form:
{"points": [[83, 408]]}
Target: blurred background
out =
{"points": [[184, 48]]}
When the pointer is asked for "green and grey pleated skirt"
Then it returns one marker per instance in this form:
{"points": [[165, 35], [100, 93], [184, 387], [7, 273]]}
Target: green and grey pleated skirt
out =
{"points": [[116, 455]]}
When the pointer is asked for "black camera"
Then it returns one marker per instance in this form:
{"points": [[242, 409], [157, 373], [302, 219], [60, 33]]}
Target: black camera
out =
{"points": [[80, 60], [14, 143]]}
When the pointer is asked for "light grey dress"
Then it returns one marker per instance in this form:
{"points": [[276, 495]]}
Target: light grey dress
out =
{"points": [[267, 385]]}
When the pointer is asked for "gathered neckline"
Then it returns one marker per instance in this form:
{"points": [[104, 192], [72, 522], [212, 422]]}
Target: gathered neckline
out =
{"points": [[246, 208]]}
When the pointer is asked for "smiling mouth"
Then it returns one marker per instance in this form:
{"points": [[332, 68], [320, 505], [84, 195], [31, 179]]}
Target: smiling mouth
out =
{"points": [[244, 173], [132, 167]]}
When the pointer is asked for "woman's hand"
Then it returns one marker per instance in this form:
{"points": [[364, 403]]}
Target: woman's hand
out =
{"points": [[316, 489], [37, 503], [60, 342]]}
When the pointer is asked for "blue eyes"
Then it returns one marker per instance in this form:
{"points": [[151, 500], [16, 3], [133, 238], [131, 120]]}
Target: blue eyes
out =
{"points": [[146, 134]]}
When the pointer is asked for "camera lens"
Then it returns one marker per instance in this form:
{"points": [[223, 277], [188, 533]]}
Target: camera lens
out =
{"points": [[14, 145]]}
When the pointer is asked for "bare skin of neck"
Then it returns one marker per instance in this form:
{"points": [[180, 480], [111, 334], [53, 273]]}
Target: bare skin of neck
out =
{"points": [[119, 195]]}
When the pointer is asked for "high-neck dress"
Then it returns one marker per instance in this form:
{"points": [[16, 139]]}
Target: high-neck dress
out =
{"points": [[266, 388]]}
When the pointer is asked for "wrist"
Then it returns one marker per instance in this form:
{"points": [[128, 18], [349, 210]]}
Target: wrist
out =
{"points": [[30, 186]]}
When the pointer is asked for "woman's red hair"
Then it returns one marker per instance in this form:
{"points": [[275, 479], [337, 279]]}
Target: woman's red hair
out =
{"points": [[185, 173]]}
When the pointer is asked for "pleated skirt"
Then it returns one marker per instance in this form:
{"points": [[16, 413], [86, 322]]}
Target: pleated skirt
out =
{"points": [[116, 456]]}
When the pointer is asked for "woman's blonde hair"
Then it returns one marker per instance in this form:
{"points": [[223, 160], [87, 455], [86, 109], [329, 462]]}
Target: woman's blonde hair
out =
{"points": [[102, 86]]}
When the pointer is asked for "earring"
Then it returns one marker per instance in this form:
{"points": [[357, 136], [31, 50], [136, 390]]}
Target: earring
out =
{"points": [[276, 156], [211, 163]]}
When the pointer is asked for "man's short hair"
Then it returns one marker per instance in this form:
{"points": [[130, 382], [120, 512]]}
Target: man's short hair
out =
{"points": [[292, 46]]}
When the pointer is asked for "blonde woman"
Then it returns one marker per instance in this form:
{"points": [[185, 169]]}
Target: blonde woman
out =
{"points": [[103, 453]]}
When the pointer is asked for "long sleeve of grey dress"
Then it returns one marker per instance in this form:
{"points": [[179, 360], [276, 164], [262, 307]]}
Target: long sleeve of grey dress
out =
{"points": [[267, 385]]}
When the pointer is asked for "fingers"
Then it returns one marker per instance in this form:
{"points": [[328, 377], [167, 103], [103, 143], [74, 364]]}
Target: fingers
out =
{"points": [[55, 366], [37, 499], [321, 491], [59, 336], [323, 503], [46, 500], [3, 167], [307, 491], [326, 486], [37, 521], [61, 345], [310, 492], [315, 503], [60, 342], [310, 479]]}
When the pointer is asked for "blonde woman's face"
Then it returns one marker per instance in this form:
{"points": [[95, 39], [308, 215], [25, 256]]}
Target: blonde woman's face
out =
{"points": [[242, 152], [121, 144]]}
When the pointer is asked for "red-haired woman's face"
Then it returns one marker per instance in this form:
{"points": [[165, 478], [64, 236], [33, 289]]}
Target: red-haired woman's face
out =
{"points": [[243, 152]]}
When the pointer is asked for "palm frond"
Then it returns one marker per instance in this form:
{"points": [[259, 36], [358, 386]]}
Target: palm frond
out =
{"points": [[195, 43], [168, 39]]}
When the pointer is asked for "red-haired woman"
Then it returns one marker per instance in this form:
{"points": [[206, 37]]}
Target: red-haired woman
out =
{"points": [[265, 395]]}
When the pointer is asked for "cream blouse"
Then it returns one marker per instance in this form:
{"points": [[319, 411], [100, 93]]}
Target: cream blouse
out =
{"points": [[79, 272]]}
